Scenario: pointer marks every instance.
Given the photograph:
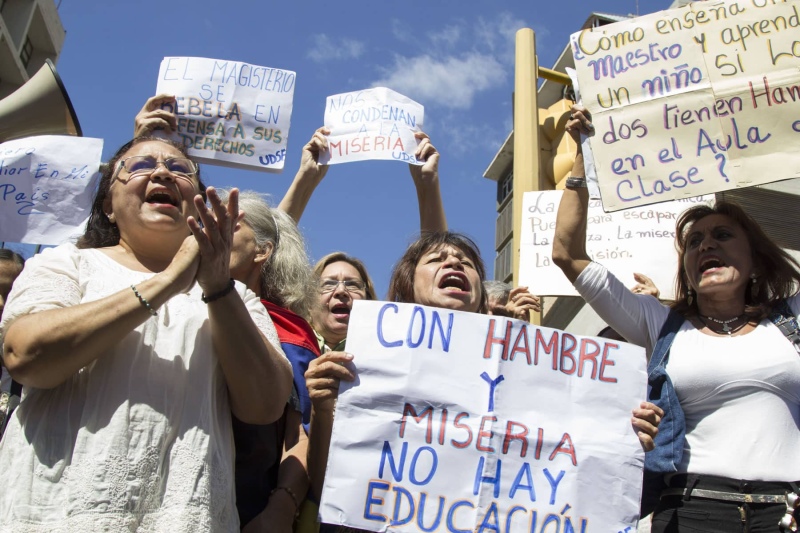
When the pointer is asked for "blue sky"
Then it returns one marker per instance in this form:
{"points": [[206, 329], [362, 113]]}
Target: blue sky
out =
{"points": [[456, 58]]}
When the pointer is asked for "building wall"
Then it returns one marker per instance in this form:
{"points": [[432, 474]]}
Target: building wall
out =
{"points": [[30, 33]]}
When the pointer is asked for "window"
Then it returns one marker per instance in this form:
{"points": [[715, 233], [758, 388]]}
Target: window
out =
{"points": [[26, 52], [502, 263], [505, 187]]}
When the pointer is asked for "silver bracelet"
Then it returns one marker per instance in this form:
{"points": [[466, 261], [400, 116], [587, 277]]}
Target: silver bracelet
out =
{"points": [[143, 301]]}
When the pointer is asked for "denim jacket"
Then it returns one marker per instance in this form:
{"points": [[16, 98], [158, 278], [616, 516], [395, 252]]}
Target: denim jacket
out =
{"points": [[668, 452]]}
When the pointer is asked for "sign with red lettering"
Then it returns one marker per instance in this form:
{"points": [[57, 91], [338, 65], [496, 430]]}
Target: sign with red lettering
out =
{"points": [[466, 422], [230, 113], [375, 123], [693, 100]]}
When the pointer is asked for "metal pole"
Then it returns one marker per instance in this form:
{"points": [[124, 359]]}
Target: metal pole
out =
{"points": [[526, 137]]}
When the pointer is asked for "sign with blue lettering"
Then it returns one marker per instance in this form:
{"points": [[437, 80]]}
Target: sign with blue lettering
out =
{"points": [[639, 239], [464, 422], [230, 113], [693, 100], [375, 123], [46, 187]]}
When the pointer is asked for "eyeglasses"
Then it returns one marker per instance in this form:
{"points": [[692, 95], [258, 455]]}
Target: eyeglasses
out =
{"points": [[144, 165], [350, 285]]}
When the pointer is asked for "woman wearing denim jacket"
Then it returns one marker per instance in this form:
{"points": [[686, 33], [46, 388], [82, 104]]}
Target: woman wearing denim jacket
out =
{"points": [[728, 454]]}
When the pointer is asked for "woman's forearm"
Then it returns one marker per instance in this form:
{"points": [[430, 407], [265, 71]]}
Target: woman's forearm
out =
{"points": [[259, 377], [44, 349]]}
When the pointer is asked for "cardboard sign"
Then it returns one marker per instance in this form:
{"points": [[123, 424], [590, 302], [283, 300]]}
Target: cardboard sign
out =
{"points": [[372, 124], [46, 187], [466, 422], [694, 100], [640, 239], [230, 113]]}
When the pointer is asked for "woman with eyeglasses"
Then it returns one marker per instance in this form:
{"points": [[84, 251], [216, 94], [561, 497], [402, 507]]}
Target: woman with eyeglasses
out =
{"points": [[135, 347]]}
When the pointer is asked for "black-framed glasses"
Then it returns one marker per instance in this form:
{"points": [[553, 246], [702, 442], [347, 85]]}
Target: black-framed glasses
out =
{"points": [[144, 165], [350, 285]]}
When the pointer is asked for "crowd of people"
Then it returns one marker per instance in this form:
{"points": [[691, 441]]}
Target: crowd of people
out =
{"points": [[180, 363]]}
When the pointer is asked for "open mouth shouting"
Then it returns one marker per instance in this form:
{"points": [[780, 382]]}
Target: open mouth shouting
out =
{"points": [[455, 282], [341, 311], [162, 196], [710, 265]]}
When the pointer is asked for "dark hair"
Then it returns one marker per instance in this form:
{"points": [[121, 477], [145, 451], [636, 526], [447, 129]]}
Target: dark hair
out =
{"points": [[12, 256], [100, 232], [401, 286], [336, 257], [778, 272]]}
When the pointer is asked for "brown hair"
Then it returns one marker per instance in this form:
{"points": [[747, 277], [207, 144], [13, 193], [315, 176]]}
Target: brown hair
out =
{"points": [[778, 272], [100, 232], [401, 286], [336, 257]]}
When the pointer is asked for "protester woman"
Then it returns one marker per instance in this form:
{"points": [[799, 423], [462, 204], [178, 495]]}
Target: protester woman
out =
{"points": [[134, 349], [269, 255], [729, 442], [440, 269]]}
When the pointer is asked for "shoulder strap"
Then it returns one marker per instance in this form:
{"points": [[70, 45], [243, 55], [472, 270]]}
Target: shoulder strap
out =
{"points": [[665, 337], [16, 388], [783, 317]]}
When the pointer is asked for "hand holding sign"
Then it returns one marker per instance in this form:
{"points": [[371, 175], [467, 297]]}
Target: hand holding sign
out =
{"points": [[375, 123], [155, 116]]}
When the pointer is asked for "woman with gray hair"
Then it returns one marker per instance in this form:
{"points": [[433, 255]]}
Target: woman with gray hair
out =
{"points": [[269, 256]]}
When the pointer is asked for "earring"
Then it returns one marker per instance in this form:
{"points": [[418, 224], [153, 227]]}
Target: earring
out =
{"points": [[689, 298], [112, 218], [753, 288]]}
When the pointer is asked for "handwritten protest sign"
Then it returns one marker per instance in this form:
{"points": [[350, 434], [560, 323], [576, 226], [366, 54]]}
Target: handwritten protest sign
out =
{"points": [[374, 123], [640, 239], [46, 187], [466, 422], [230, 113], [693, 100]]}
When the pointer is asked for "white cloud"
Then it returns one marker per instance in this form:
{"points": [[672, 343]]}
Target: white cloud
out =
{"points": [[325, 49], [452, 82], [447, 37]]}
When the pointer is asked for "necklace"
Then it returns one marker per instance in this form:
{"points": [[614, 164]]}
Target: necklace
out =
{"points": [[725, 327]]}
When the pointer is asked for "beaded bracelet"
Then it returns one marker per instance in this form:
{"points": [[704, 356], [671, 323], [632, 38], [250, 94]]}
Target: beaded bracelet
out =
{"points": [[217, 295], [143, 301], [292, 495]]}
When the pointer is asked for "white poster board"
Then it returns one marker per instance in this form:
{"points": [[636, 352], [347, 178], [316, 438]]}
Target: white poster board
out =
{"points": [[230, 113], [466, 422], [694, 100], [376, 123], [46, 187], [639, 239]]}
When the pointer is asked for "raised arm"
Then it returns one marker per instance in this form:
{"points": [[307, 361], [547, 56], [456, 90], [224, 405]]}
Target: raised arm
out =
{"points": [[308, 176], [569, 243], [152, 117], [426, 180]]}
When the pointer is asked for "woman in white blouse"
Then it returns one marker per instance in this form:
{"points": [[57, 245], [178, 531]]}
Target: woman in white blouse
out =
{"points": [[727, 450], [134, 348]]}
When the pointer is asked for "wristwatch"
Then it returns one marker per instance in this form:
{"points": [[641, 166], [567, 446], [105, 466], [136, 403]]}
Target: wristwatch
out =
{"points": [[574, 182]]}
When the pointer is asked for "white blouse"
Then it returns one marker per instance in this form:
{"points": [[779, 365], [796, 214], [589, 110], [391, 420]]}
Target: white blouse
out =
{"points": [[740, 395], [138, 440]]}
